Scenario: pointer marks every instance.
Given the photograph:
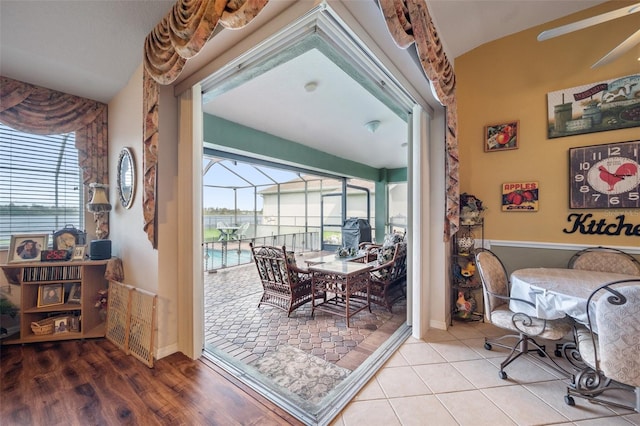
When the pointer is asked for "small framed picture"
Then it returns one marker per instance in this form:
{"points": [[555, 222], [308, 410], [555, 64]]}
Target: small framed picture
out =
{"points": [[74, 294], [50, 294], [61, 325], [27, 247], [501, 137], [78, 252]]}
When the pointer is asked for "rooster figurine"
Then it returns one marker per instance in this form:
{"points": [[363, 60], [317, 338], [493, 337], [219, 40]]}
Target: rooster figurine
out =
{"points": [[465, 307]]}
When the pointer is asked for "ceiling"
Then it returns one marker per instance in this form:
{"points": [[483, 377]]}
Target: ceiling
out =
{"points": [[91, 48]]}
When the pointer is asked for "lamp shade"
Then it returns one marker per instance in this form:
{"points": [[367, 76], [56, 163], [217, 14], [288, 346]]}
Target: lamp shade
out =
{"points": [[99, 202]]}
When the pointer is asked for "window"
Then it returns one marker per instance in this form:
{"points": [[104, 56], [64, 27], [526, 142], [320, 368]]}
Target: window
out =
{"points": [[40, 183]]}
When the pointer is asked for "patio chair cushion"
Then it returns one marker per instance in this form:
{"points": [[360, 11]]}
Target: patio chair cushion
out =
{"points": [[385, 254], [291, 260]]}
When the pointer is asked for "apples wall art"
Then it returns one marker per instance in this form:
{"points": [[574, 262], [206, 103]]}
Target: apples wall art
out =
{"points": [[501, 137], [520, 196]]}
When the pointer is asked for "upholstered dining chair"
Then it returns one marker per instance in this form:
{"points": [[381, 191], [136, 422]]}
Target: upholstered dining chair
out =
{"points": [[496, 292], [284, 284], [610, 349], [605, 259]]}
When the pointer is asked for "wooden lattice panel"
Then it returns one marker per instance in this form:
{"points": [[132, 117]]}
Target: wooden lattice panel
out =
{"points": [[131, 320], [118, 314], [142, 325]]}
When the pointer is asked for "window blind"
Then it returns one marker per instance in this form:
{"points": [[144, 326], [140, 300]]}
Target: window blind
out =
{"points": [[40, 184]]}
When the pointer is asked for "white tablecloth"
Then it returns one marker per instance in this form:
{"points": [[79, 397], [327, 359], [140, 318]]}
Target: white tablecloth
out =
{"points": [[557, 292]]}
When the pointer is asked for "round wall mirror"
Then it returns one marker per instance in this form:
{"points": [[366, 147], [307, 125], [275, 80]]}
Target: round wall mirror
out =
{"points": [[126, 177]]}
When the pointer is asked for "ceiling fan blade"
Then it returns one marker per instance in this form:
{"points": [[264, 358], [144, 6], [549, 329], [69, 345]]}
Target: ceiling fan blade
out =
{"points": [[595, 20], [620, 50]]}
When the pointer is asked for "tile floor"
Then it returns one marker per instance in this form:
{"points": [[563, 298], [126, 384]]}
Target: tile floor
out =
{"points": [[450, 379]]}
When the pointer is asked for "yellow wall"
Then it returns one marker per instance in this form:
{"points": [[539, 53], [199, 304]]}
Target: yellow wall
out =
{"points": [[508, 80]]}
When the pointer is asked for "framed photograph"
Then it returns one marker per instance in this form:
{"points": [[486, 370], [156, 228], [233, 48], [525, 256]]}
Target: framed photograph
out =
{"points": [[68, 237], [61, 325], [78, 252], [501, 137], [74, 294], [520, 196], [27, 247], [50, 294], [595, 107], [605, 176]]}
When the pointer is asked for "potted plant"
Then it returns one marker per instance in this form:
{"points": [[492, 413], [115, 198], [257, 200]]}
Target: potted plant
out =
{"points": [[471, 209]]}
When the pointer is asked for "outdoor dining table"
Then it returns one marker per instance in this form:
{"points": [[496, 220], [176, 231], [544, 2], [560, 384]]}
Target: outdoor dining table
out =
{"points": [[558, 292], [346, 281], [227, 232]]}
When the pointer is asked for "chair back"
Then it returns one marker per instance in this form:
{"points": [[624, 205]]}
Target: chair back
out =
{"points": [[617, 318], [242, 231], [272, 263], [605, 259], [494, 279]]}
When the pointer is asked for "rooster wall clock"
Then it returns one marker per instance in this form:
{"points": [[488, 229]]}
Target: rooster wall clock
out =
{"points": [[605, 176]]}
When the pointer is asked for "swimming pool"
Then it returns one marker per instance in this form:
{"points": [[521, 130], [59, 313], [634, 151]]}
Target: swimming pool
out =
{"points": [[213, 258]]}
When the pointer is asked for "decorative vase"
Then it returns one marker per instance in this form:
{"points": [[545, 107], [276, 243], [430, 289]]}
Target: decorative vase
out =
{"points": [[465, 244]]}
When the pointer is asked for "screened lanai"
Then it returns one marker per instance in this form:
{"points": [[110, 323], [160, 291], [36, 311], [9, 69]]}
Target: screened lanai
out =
{"points": [[247, 200]]}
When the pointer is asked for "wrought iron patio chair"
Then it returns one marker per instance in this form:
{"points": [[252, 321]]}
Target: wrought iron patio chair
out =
{"points": [[496, 292], [609, 350], [284, 284]]}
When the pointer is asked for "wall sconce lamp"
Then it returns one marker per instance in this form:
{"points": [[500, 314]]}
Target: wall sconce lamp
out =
{"points": [[99, 206]]}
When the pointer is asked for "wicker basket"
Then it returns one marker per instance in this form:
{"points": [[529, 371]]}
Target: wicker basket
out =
{"points": [[43, 327]]}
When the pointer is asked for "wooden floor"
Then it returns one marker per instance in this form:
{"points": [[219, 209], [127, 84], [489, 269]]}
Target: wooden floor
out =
{"points": [[92, 382]]}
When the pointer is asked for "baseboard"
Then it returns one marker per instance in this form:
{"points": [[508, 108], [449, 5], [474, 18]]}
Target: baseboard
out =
{"points": [[166, 351]]}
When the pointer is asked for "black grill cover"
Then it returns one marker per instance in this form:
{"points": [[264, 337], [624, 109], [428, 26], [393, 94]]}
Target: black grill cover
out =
{"points": [[355, 231]]}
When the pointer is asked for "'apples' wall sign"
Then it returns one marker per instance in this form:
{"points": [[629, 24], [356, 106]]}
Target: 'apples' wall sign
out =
{"points": [[520, 197]]}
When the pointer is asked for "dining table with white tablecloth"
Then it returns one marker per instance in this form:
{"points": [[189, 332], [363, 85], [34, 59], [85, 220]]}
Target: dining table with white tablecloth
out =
{"points": [[557, 292]]}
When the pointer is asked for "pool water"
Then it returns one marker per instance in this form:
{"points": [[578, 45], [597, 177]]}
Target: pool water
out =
{"points": [[234, 257]]}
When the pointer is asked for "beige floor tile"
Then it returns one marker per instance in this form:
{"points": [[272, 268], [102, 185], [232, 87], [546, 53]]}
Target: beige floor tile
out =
{"points": [[603, 421], [524, 370], [420, 353], [442, 378], [434, 335], [422, 410], [478, 346], [401, 381], [553, 393], [633, 418], [337, 421], [523, 406], [472, 408], [455, 351], [481, 373], [371, 390], [370, 413], [396, 360], [462, 331]]}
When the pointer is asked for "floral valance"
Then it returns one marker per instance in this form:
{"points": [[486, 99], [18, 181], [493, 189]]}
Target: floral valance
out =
{"points": [[409, 22], [178, 37], [33, 109]]}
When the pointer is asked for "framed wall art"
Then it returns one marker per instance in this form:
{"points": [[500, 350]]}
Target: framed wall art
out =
{"points": [[501, 137], [605, 176], [520, 196], [27, 247], [596, 107]]}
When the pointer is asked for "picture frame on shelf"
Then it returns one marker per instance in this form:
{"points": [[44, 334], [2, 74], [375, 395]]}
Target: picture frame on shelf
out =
{"points": [[27, 247], [78, 252], [61, 325], [68, 237], [75, 294], [50, 295], [502, 136]]}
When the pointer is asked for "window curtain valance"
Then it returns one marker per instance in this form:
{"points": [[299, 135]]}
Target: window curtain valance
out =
{"points": [[178, 37], [409, 22], [189, 25], [33, 109]]}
